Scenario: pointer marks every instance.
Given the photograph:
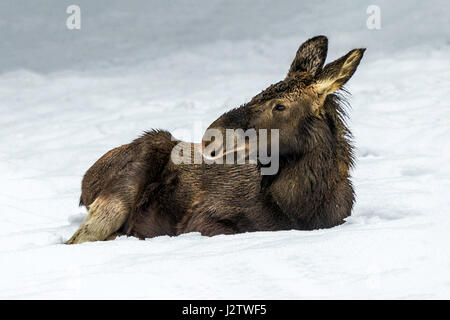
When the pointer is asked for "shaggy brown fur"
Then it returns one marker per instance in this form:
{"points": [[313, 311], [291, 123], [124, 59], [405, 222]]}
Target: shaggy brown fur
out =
{"points": [[137, 189]]}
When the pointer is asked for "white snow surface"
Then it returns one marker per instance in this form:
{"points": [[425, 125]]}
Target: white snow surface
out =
{"points": [[67, 97]]}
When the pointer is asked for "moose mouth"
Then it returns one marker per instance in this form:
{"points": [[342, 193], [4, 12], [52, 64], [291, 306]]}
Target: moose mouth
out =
{"points": [[213, 151]]}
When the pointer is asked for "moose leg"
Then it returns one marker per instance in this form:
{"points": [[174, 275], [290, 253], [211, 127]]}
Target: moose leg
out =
{"points": [[106, 215], [112, 207], [108, 168], [109, 188], [113, 184]]}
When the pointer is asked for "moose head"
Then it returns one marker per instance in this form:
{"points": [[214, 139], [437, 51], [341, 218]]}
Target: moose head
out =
{"points": [[303, 107]]}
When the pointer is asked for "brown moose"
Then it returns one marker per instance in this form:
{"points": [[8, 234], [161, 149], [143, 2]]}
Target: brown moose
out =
{"points": [[138, 190]]}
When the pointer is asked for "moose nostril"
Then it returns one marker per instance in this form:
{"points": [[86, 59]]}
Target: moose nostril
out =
{"points": [[213, 153]]}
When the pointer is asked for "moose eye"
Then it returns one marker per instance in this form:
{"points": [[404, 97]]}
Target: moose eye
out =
{"points": [[279, 107]]}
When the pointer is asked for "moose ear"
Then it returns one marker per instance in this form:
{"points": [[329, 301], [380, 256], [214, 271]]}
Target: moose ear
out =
{"points": [[310, 56], [337, 73]]}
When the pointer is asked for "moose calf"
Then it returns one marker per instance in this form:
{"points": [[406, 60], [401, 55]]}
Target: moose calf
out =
{"points": [[138, 190]]}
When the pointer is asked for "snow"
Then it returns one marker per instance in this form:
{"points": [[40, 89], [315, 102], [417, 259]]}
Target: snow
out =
{"points": [[67, 97]]}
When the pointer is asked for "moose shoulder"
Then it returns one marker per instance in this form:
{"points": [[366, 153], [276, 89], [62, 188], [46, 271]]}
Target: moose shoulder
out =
{"points": [[139, 190]]}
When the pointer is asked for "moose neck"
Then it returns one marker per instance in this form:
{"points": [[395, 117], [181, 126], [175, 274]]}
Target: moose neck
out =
{"points": [[313, 189]]}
